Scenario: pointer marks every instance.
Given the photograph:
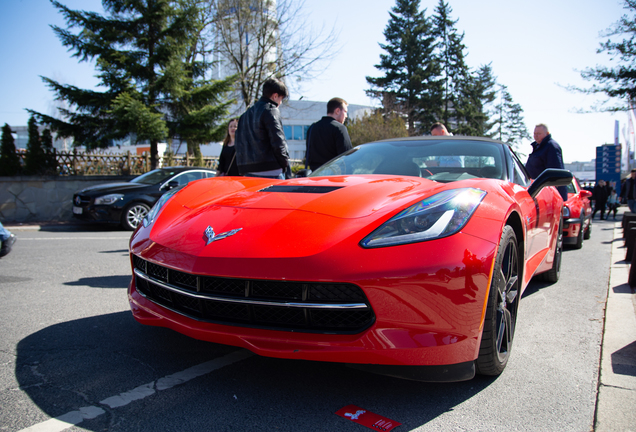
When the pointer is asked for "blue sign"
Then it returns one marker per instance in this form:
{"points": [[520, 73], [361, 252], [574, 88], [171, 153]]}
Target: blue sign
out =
{"points": [[608, 165]]}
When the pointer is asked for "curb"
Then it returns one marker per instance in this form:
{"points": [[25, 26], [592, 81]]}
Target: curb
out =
{"points": [[616, 397]]}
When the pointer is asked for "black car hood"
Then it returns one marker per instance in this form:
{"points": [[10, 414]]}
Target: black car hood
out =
{"points": [[112, 188]]}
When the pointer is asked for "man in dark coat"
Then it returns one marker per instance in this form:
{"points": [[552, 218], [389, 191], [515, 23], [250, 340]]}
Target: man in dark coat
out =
{"points": [[546, 153], [261, 149], [628, 191], [328, 137], [599, 194]]}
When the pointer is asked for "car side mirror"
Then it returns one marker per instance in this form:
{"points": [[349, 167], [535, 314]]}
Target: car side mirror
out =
{"points": [[171, 185], [550, 177], [586, 193]]}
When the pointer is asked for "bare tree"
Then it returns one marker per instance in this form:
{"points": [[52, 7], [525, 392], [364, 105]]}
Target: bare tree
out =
{"points": [[259, 39]]}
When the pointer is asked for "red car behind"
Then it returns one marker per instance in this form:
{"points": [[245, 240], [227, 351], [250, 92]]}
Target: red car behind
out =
{"points": [[577, 215]]}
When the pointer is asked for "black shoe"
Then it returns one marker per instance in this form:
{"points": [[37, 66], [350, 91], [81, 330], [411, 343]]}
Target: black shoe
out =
{"points": [[7, 245]]}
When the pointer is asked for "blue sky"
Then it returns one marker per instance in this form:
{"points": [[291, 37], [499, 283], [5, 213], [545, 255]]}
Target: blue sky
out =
{"points": [[535, 48]]}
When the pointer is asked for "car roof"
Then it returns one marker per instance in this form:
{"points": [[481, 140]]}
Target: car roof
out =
{"points": [[443, 137], [184, 168]]}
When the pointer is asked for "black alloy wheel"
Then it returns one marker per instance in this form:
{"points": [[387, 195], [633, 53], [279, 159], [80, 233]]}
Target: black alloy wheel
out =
{"points": [[503, 304]]}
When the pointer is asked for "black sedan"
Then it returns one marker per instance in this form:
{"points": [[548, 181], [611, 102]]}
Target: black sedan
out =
{"points": [[127, 203]]}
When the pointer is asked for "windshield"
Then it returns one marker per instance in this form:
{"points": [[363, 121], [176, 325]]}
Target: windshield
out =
{"points": [[154, 177], [440, 160]]}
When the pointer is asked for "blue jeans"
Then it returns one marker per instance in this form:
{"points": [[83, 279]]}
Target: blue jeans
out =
{"points": [[632, 205], [4, 234]]}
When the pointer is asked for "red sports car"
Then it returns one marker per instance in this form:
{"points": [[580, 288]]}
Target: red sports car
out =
{"points": [[577, 215], [406, 257]]}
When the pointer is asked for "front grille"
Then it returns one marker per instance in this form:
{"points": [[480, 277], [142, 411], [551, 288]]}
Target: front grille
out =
{"points": [[293, 306], [81, 200]]}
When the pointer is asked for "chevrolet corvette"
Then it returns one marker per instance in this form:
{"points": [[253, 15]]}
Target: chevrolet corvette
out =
{"points": [[577, 214], [406, 257]]}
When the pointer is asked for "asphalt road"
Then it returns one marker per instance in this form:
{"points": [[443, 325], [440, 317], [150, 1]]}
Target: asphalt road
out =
{"points": [[71, 350]]}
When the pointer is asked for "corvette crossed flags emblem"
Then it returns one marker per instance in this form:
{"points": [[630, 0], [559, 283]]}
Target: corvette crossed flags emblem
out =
{"points": [[210, 236]]}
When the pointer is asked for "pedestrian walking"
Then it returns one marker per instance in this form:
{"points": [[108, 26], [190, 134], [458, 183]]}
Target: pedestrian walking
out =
{"points": [[600, 198]]}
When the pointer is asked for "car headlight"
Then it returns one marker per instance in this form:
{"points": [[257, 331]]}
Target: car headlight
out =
{"points": [[438, 216], [108, 199], [156, 209], [566, 212]]}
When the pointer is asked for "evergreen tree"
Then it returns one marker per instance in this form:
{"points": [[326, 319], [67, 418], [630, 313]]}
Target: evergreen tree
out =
{"points": [[617, 82], [198, 110], [9, 159], [411, 74], [476, 96], [139, 48], [450, 55], [35, 159], [510, 125], [50, 161]]}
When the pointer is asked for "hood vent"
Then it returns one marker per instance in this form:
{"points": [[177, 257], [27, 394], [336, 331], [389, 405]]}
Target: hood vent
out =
{"points": [[301, 189]]}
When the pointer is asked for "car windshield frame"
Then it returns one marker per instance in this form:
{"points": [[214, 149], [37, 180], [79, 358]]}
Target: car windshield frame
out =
{"points": [[442, 160]]}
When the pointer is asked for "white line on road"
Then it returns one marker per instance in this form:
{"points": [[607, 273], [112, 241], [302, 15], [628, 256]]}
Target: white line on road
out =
{"points": [[73, 418]]}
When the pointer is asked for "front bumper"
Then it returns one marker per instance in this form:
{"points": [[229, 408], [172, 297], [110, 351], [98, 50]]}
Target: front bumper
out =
{"points": [[571, 229], [428, 301]]}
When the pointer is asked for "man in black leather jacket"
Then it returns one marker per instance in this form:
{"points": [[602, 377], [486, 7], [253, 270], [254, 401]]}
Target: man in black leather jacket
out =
{"points": [[261, 149]]}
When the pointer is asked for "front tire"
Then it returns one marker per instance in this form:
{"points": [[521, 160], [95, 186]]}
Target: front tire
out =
{"points": [[553, 274], [579, 237], [133, 214], [588, 231], [501, 311]]}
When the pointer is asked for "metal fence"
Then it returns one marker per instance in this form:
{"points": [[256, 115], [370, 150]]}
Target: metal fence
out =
{"points": [[105, 163]]}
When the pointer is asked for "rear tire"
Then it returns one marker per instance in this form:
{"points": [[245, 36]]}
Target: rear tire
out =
{"points": [[501, 311], [133, 214]]}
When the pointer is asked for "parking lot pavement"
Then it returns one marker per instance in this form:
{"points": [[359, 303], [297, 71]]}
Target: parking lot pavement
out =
{"points": [[616, 399]]}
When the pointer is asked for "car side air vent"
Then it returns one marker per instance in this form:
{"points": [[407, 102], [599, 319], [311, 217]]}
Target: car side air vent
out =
{"points": [[301, 189]]}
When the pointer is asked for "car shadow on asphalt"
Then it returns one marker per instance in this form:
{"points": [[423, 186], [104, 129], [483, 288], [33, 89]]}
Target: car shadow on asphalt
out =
{"points": [[82, 227], [121, 251], [102, 282], [78, 363]]}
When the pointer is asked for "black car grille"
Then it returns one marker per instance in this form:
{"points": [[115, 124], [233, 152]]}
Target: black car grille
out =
{"points": [[81, 200], [293, 306]]}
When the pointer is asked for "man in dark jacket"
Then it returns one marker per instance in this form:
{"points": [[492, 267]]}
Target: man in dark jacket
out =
{"points": [[599, 195], [328, 137], [628, 191], [261, 149], [546, 153]]}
